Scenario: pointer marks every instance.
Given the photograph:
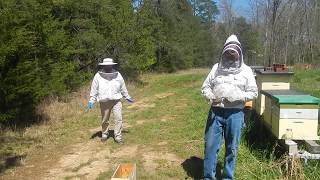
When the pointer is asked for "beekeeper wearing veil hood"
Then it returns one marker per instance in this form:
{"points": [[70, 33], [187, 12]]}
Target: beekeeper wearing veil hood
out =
{"points": [[108, 88], [228, 86]]}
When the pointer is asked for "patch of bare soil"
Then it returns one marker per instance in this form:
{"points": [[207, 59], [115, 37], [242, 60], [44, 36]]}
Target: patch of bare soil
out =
{"points": [[89, 159], [168, 118], [152, 159], [85, 160], [164, 95], [142, 104], [139, 122], [126, 125], [148, 102], [163, 143], [125, 152]]}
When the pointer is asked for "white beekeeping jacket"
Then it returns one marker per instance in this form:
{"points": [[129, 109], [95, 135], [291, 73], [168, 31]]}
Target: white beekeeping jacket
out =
{"points": [[220, 85], [230, 86], [108, 86]]}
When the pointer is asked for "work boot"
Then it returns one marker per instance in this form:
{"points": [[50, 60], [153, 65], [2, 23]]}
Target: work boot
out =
{"points": [[104, 137], [119, 141]]}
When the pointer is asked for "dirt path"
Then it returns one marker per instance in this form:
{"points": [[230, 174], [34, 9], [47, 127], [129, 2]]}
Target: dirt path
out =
{"points": [[92, 159], [86, 160]]}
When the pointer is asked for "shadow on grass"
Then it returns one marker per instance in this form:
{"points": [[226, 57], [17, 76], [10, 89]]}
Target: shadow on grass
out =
{"points": [[24, 120], [8, 161], [259, 138], [8, 150], [193, 166], [98, 134]]}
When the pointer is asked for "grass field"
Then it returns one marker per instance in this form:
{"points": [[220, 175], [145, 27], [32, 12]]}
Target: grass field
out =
{"points": [[163, 133], [308, 81]]}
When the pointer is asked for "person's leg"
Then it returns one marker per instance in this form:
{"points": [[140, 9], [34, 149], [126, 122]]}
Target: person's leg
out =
{"points": [[117, 108], [234, 123], [105, 108], [213, 135]]}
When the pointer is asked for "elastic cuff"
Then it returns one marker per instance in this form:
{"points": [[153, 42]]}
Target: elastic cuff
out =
{"points": [[92, 99], [128, 97]]}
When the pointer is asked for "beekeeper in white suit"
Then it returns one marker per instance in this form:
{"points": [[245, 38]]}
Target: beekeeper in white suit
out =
{"points": [[108, 87], [227, 87]]}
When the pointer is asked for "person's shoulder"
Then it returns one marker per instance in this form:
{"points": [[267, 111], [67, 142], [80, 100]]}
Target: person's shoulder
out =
{"points": [[96, 75], [118, 73], [246, 68], [214, 67]]}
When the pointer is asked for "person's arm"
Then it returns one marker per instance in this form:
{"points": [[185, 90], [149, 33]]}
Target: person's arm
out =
{"points": [[251, 90], [207, 86], [123, 89], [94, 90]]}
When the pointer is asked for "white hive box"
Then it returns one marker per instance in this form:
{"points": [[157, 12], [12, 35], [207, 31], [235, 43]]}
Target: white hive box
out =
{"points": [[293, 110]]}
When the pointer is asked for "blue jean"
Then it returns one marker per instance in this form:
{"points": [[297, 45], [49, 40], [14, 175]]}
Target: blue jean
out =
{"points": [[227, 122]]}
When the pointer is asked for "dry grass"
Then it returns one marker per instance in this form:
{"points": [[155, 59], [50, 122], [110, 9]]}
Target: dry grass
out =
{"points": [[292, 168], [57, 112], [73, 105], [52, 130]]}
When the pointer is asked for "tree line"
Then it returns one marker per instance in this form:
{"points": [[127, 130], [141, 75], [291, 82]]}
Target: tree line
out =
{"points": [[288, 31], [51, 47]]}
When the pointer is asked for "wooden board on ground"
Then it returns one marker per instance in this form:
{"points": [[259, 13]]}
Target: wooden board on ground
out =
{"points": [[125, 172]]}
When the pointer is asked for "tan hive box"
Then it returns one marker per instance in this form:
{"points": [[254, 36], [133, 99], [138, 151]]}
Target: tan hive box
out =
{"points": [[269, 80], [294, 111], [125, 172]]}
